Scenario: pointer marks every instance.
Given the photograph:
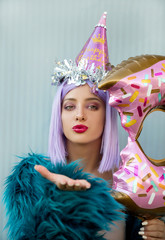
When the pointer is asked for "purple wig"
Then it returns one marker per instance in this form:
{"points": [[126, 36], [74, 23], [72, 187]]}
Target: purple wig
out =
{"points": [[110, 147]]}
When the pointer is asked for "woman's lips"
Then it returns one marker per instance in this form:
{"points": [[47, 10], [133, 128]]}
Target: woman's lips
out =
{"points": [[79, 128]]}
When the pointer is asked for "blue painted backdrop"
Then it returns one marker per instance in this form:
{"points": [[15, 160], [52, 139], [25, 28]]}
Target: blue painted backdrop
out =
{"points": [[34, 33]]}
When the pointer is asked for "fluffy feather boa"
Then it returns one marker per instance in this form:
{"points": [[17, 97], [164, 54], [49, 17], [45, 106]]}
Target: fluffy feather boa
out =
{"points": [[37, 209]]}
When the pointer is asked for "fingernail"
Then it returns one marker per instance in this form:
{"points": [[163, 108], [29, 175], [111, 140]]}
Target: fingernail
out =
{"points": [[141, 233], [144, 237], [144, 223], [70, 184], [63, 183], [77, 184], [88, 186], [142, 229], [36, 167]]}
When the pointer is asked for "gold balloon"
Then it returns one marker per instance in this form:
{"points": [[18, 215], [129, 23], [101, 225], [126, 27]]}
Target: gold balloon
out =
{"points": [[128, 67]]}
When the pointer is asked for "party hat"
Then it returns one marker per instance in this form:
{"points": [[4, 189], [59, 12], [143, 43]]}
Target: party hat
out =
{"points": [[92, 63], [95, 49]]}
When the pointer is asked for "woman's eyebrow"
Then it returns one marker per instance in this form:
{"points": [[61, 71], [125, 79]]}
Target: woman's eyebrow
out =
{"points": [[69, 99], [93, 99], [86, 99]]}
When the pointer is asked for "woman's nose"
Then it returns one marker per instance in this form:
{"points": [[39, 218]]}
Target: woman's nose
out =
{"points": [[80, 116]]}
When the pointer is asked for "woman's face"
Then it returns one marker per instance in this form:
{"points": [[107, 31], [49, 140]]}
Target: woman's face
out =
{"points": [[83, 115]]}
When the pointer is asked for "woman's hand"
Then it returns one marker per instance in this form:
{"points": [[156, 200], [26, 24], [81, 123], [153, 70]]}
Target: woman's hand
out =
{"points": [[153, 229], [63, 182]]}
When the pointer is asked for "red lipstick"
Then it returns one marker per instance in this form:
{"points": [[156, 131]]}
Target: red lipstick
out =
{"points": [[79, 128]]}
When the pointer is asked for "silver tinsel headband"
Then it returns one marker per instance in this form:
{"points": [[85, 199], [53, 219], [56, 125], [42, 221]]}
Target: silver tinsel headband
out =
{"points": [[70, 72]]}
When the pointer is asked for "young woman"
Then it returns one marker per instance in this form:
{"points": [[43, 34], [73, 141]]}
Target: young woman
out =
{"points": [[82, 131], [80, 128]]}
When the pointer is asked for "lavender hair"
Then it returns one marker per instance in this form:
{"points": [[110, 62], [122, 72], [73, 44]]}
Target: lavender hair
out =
{"points": [[109, 148]]}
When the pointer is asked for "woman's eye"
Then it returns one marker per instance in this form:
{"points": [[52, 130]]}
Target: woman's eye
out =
{"points": [[69, 107], [93, 107]]}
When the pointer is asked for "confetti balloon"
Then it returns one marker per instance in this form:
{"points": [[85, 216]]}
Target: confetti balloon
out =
{"points": [[137, 88]]}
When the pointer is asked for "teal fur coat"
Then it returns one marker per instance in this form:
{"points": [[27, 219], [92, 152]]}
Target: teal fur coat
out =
{"points": [[37, 209]]}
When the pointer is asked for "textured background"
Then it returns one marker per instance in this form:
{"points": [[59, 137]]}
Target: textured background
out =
{"points": [[34, 33]]}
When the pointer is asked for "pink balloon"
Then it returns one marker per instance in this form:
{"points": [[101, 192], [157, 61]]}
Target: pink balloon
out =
{"points": [[137, 88]]}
